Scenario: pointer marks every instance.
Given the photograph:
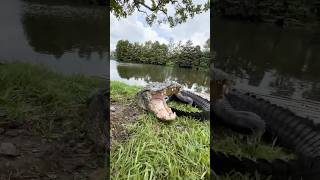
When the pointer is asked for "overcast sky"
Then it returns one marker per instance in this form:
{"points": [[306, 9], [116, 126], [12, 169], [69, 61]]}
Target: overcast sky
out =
{"points": [[135, 29]]}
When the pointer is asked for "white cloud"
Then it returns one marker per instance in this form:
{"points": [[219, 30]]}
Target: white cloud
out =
{"points": [[135, 29], [196, 29]]}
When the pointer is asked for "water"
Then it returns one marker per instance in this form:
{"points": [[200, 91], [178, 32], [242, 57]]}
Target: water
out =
{"points": [[67, 38], [282, 65], [141, 74]]}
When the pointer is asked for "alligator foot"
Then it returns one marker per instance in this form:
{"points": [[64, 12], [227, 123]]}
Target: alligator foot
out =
{"points": [[239, 119]]}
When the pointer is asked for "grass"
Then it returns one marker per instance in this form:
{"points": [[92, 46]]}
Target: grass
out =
{"points": [[122, 92], [53, 104], [157, 150], [178, 150], [183, 107], [249, 147]]}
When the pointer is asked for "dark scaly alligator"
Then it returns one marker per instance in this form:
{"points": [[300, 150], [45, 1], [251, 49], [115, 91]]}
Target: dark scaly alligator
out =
{"points": [[294, 132], [153, 98], [97, 120], [230, 105]]}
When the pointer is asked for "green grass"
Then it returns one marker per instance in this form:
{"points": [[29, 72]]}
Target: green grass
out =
{"points": [[52, 103], [252, 148], [122, 92], [183, 107], [178, 150], [157, 150]]}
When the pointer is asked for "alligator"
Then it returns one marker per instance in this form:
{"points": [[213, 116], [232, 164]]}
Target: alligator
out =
{"points": [[226, 112], [293, 132], [247, 111], [153, 98], [296, 133], [97, 124]]}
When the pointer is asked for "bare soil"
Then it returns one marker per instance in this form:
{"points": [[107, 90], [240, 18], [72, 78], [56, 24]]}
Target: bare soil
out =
{"points": [[121, 114], [34, 157]]}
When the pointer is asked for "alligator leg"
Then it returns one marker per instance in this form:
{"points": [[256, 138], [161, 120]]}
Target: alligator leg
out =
{"points": [[185, 99], [239, 119]]}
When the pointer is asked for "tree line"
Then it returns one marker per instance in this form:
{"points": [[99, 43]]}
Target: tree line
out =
{"points": [[174, 54]]}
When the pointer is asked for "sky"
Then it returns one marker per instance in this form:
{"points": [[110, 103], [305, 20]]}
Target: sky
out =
{"points": [[135, 29]]}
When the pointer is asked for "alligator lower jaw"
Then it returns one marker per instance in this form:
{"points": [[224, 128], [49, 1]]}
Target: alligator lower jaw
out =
{"points": [[159, 107]]}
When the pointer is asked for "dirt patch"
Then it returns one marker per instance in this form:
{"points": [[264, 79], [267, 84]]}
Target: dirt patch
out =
{"points": [[26, 156], [122, 114]]}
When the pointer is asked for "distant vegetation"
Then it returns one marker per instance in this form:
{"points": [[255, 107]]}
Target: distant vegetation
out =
{"points": [[183, 55]]}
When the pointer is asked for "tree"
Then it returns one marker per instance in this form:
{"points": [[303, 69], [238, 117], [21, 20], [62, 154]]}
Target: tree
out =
{"points": [[157, 10], [207, 45], [123, 50], [184, 55]]}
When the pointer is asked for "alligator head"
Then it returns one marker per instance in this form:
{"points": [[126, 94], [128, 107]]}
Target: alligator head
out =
{"points": [[220, 84], [152, 98]]}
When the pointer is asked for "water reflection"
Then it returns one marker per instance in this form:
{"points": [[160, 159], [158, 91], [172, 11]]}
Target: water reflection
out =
{"points": [[268, 59], [66, 37], [141, 74], [59, 29]]}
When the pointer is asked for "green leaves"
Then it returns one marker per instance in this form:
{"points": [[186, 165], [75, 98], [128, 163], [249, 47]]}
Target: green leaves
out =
{"points": [[186, 55], [152, 53], [157, 11]]}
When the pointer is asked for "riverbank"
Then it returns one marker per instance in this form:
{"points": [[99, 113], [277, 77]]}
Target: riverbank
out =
{"points": [[140, 142], [42, 122]]}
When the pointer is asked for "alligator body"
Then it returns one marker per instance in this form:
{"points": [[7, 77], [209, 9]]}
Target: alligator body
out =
{"points": [[97, 124], [296, 169], [292, 131], [224, 111], [296, 133], [247, 111]]}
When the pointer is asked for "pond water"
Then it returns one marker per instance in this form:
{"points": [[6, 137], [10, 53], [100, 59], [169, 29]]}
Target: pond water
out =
{"points": [[276, 63], [141, 74], [68, 38]]}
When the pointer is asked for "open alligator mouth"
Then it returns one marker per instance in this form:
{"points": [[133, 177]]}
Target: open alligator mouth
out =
{"points": [[160, 108], [153, 98]]}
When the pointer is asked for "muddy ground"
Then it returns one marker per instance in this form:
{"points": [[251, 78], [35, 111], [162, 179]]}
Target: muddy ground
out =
{"points": [[24, 155], [27, 156], [121, 114]]}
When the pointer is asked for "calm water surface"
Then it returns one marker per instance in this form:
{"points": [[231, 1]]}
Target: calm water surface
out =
{"points": [[277, 63], [141, 74], [66, 38]]}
